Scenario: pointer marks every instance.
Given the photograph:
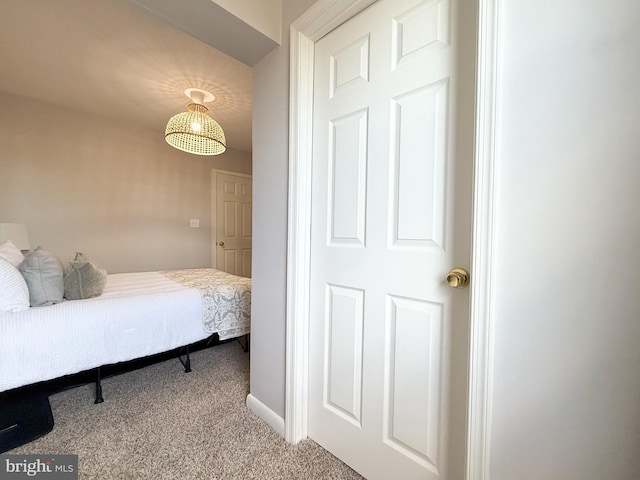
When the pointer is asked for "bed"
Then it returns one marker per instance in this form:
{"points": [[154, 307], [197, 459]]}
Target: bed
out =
{"points": [[137, 314]]}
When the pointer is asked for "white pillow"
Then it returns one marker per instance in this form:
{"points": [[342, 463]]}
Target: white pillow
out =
{"points": [[14, 293], [11, 253]]}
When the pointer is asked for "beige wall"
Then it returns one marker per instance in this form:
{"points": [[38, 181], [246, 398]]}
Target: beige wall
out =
{"points": [[270, 183], [116, 192]]}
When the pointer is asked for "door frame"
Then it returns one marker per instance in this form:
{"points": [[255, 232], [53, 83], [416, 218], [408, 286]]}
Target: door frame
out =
{"points": [[214, 206], [321, 18]]}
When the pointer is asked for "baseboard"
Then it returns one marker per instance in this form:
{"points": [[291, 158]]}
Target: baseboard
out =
{"points": [[263, 412]]}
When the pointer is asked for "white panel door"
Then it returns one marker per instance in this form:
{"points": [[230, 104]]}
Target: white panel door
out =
{"points": [[384, 216], [233, 223]]}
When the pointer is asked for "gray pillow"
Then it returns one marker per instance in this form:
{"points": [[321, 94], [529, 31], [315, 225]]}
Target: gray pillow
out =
{"points": [[83, 279], [43, 273]]}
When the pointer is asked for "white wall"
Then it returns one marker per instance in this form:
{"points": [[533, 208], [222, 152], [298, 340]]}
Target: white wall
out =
{"points": [[270, 176], [231, 26], [263, 15], [567, 352]]}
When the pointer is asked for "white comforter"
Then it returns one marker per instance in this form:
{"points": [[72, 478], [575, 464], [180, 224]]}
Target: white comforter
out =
{"points": [[138, 314]]}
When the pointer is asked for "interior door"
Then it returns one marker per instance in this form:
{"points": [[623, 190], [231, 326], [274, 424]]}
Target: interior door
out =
{"points": [[390, 218], [233, 223]]}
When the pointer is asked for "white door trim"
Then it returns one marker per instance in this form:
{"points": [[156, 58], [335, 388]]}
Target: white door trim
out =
{"points": [[320, 19], [482, 315], [214, 206]]}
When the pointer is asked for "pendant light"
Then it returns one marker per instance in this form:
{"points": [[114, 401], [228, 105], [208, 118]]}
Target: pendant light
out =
{"points": [[194, 131]]}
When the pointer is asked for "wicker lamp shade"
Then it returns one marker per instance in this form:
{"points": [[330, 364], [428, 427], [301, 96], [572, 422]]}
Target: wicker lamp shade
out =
{"points": [[194, 131]]}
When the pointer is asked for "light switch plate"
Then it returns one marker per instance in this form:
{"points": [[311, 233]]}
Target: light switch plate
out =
{"points": [[194, 223]]}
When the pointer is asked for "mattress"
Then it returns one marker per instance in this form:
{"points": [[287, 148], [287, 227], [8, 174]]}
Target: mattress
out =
{"points": [[138, 314], [226, 299]]}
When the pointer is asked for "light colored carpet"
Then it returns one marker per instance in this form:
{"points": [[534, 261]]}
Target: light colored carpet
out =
{"points": [[160, 423]]}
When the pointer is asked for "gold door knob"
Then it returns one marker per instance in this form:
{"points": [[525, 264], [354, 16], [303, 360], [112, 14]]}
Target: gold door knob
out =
{"points": [[221, 244], [458, 278]]}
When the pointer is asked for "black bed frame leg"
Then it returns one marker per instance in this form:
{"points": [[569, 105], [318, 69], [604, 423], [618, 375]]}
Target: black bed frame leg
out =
{"points": [[187, 362], [99, 398], [245, 345]]}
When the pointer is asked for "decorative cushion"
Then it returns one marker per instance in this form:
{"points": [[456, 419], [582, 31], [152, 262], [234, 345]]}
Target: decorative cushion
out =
{"points": [[43, 273], [11, 253], [83, 279], [14, 294]]}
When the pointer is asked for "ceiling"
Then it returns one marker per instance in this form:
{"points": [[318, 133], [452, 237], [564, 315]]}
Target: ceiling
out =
{"points": [[114, 59]]}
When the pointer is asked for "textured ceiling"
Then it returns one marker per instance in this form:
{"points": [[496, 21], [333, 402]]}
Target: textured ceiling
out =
{"points": [[114, 59]]}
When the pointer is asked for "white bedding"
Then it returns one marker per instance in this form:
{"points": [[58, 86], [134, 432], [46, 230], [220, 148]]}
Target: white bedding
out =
{"points": [[138, 314], [226, 299]]}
